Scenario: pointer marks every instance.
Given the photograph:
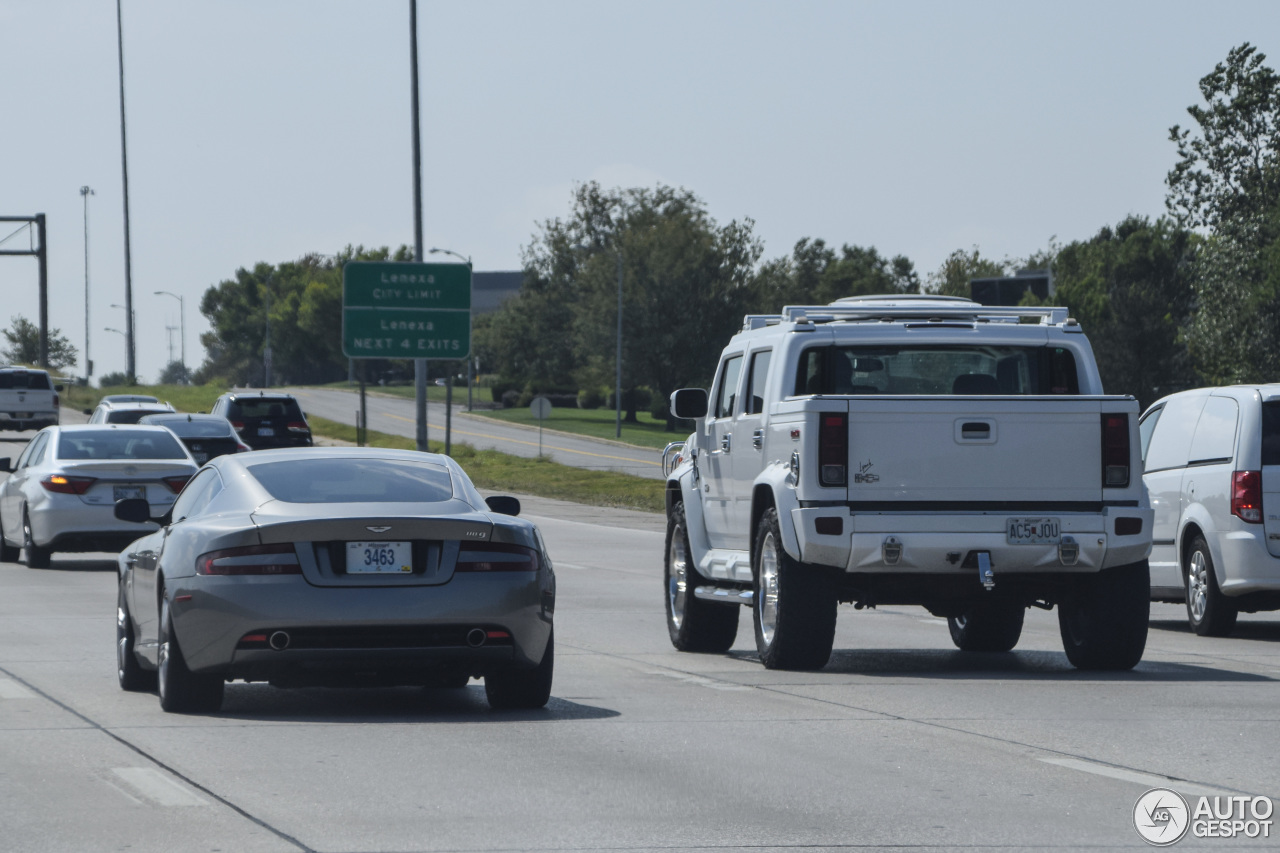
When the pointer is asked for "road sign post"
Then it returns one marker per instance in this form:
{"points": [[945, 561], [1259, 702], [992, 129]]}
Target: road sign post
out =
{"points": [[541, 409]]}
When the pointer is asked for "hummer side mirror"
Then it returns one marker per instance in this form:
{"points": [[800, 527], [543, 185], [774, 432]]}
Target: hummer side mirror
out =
{"points": [[689, 403]]}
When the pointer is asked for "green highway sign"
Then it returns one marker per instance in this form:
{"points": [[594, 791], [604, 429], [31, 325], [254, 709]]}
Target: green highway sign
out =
{"points": [[394, 309]]}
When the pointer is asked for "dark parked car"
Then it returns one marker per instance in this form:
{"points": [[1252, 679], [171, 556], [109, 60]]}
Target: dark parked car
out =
{"points": [[206, 436], [265, 420]]}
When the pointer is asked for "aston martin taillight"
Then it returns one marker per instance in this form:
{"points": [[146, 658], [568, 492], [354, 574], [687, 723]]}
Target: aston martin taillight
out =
{"points": [[495, 557], [250, 560]]}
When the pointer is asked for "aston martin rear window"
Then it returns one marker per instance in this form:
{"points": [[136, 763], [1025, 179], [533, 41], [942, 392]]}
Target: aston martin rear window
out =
{"points": [[119, 444], [333, 481]]}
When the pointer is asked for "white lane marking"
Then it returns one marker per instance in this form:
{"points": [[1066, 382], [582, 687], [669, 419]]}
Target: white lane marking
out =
{"points": [[698, 680], [157, 787], [1149, 780], [10, 689], [594, 523]]}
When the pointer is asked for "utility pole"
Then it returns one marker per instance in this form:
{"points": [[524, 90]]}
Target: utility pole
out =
{"points": [[85, 192]]}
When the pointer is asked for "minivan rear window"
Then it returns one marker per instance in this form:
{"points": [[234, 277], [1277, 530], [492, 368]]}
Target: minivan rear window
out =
{"points": [[1271, 433], [32, 380]]}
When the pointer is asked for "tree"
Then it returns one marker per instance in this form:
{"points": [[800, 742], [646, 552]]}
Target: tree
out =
{"points": [[1227, 181], [113, 380], [817, 275], [301, 301], [24, 345], [686, 284], [953, 277], [175, 373], [1131, 289], [1228, 177]]}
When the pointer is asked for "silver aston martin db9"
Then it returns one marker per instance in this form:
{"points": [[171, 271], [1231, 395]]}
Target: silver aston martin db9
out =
{"points": [[335, 567]]}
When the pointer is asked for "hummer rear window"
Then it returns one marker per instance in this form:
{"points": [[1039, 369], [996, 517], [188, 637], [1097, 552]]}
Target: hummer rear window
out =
{"points": [[939, 369]]}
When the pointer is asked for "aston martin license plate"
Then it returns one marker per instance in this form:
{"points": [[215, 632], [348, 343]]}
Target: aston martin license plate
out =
{"points": [[379, 557], [1034, 531]]}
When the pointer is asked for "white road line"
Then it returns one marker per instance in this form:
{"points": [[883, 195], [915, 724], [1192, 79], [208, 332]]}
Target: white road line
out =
{"points": [[698, 680], [10, 689], [157, 787], [1148, 780]]}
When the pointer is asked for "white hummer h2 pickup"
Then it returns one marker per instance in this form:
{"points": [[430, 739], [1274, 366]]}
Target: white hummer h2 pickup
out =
{"points": [[919, 450]]}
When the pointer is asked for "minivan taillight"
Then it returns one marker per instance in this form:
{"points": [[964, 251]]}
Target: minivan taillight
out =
{"points": [[250, 560], [1246, 496], [1115, 451], [833, 449], [495, 557]]}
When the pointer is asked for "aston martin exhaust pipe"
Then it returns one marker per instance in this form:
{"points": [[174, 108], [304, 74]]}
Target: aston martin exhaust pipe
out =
{"points": [[279, 641], [476, 637]]}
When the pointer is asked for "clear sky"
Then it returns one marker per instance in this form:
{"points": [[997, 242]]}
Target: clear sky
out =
{"points": [[262, 130]]}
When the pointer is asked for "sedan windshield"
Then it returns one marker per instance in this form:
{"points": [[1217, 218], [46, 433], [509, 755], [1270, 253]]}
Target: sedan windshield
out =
{"points": [[332, 481], [119, 444]]}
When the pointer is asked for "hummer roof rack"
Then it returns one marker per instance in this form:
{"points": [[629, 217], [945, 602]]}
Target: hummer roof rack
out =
{"points": [[908, 306]]}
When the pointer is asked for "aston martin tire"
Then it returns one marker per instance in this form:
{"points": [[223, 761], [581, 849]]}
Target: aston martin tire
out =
{"points": [[990, 626], [1209, 612], [1104, 622], [181, 690], [131, 674], [794, 607], [522, 689], [37, 557], [694, 625]]}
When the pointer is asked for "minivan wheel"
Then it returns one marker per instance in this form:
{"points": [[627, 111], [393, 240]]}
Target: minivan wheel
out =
{"points": [[1209, 612]]}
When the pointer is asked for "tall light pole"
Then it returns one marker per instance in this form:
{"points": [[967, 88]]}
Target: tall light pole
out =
{"points": [[131, 372], [419, 364], [617, 389], [182, 329], [85, 192]]}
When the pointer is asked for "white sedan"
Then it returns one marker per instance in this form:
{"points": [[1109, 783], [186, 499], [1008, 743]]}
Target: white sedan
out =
{"points": [[62, 491]]}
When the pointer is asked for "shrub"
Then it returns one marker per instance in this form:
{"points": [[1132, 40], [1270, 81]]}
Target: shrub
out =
{"points": [[590, 398]]}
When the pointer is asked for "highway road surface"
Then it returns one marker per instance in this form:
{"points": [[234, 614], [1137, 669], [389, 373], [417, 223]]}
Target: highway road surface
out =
{"points": [[395, 415], [901, 743]]}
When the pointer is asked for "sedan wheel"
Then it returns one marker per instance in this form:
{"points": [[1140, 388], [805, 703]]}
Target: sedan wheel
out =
{"points": [[37, 558]]}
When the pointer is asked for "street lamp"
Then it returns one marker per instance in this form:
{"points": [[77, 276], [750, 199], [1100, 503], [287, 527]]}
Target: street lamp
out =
{"points": [[121, 334], [182, 325], [448, 386], [85, 192]]}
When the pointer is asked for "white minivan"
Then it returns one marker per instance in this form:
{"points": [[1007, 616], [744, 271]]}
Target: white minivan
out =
{"points": [[1212, 469]]}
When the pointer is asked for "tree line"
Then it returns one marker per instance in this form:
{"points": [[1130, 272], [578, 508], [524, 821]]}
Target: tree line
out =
{"points": [[1191, 297]]}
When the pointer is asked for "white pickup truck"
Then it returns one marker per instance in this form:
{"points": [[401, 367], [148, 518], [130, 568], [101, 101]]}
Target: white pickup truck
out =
{"points": [[908, 450], [28, 399]]}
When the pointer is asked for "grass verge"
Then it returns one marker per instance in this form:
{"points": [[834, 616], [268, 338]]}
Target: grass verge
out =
{"points": [[596, 423], [185, 398], [491, 469]]}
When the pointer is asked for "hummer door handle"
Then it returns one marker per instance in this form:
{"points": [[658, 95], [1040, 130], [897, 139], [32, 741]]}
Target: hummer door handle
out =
{"points": [[757, 439], [724, 442]]}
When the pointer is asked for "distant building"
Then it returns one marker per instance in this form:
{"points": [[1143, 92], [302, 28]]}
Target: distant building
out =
{"points": [[1009, 290], [490, 289]]}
